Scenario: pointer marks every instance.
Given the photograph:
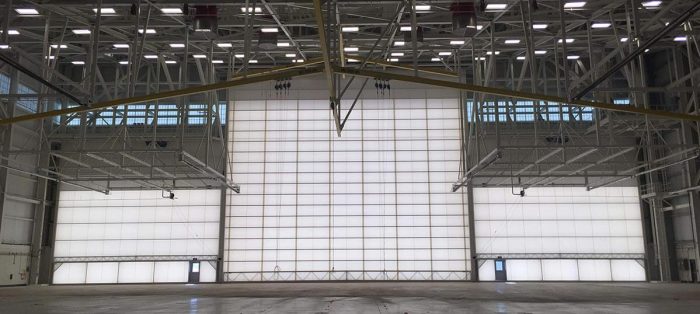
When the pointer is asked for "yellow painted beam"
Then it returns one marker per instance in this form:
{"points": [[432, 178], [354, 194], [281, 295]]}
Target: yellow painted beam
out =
{"points": [[516, 94], [404, 67], [236, 81]]}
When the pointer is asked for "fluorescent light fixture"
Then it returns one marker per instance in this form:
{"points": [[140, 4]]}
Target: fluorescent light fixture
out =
{"points": [[150, 56], [78, 62], [435, 59], [148, 31], [4, 46], [11, 32], [249, 9], [624, 39], [496, 6], [651, 4], [178, 46], [298, 60], [269, 30], [512, 41], [224, 45], [170, 62], [59, 46], [568, 40], [171, 11], [405, 28], [26, 11], [252, 61], [351, 60], [572, 57], [105, 11], [290, 55], [202, 30], [540, 52], [348, 29], [422, 7], [600, 25], [120, 46], [456, 42], [81, 31], [574, 5], [199, 56], [217, 61], [680, 38], [646, 50], [444, 53], [240, 56], [480, 58], [479, 27], [399, 43], [50, 57], [540, 26], [123, 62], [351, 49], [397, 54], [283, 44], [393, 59], [520, 57], [493, 52]]}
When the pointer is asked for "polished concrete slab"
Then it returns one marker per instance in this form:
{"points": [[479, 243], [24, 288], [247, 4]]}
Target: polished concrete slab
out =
{"points": [[356, 297]]}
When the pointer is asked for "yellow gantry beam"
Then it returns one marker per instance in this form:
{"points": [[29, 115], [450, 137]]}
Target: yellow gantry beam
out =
{"points": [[515, 94], [238, 80]]}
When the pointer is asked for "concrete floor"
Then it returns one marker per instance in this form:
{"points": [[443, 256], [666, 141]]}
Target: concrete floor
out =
{"points": [[354, 297]]}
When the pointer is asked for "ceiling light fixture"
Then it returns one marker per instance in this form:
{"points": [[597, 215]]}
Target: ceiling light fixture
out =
{"points": [[351, 49], [496, 6], [520, 57], [171, 11], [148, 31], [123, 62], [405, 28], [291, 55], [624, 39], [540, 52], [105, 11], [568, 40], [393, 59], [11, 32], [59, 46], [651, 4], [680, 38], [150, 56], [283, 44], [351, 60], [540, 26], [480, 58], [81, 31], [269, 30], [435, 59], [600, 25], [26, 11], [397, 54], [444, 53], [399, 43], [199, 56], [493, 53], [572, 57], [217, 61], [456, 42], [249, 10], [512, 41], [177, 45], [240, 56], [4, 46], [348, 29], [252, 61], [78, 62], [224, 45], [422, 7], [120, 46], [574, 5]]}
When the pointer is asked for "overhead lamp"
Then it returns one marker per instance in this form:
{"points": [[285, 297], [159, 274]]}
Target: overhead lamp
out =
{"points": [[348, 29], [651, 4], [520, 57], [480, 58], [148, 31], [540, 26], [4, 46], [283, 44], [399, 43], [81, 31], [351, 60], [568, 40], [11, 32], [123, 62], [624, 39], [512, 41], [405, 28], [170, 62], [199, 56], [202, 30], [171, 10], [240, 56], [540, 52], [493, 52], [435, 59], [252, 61], [496, 6], [59, 46], [217, 61], [456, 42], [249, 10], [393, 59], [177, 45], [680, 38], [647, 50], [150, 56], [298, 60], [444, 53], [105, 11], [120, 46], [26, 11], [291, 55], [422, 7], [351, 49], [574, 5], [78, 62], [600, 25], [224, 45], [397, 54], [50, 57], [269, 30], [479, 27], [572, 57]]}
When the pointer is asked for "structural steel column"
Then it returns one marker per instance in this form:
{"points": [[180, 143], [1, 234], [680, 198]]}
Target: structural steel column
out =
{"points": [[472, 233]]}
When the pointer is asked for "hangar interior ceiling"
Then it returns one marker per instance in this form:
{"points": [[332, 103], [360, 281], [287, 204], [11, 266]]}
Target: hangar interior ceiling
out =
{"points": [[524, 96]]}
